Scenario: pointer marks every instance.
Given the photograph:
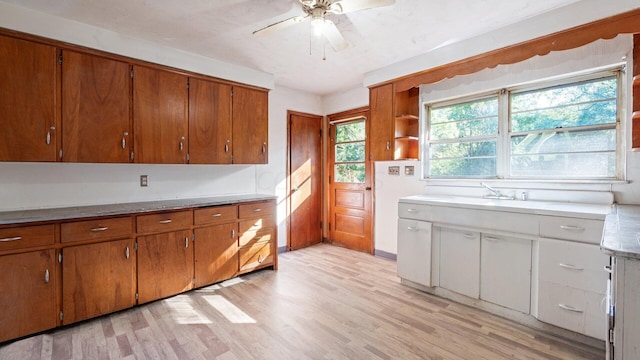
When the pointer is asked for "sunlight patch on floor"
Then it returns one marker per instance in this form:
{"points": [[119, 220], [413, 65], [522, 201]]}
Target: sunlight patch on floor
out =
{"points": [[228, 310], [183, 311]]}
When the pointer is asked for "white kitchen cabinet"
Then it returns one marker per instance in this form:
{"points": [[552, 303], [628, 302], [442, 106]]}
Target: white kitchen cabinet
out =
{"points": [[505, 271], [414, 251], [460, 261]]}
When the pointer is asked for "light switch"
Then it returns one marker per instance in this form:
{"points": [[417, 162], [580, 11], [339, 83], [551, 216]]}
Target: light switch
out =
{"points": [[394, 170], [408, 170], [144, 180]]}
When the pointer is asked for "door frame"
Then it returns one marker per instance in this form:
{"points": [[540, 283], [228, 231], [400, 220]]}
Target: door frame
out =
{"points": [[326, 185], [323, 161]]}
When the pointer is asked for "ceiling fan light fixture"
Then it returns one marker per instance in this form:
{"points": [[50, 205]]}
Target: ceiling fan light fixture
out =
{"points": [[317, 22]]}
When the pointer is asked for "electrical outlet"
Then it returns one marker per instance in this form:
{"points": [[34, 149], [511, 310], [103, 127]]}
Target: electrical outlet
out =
{"points": [[408, 170], [144, 180], [394, 170]]}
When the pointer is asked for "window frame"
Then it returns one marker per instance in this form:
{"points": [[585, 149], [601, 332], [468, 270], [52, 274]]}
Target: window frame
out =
{"points": [[503, 148]]}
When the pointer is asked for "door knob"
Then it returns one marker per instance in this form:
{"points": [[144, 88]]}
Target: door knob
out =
{"points": [[368, 188]]}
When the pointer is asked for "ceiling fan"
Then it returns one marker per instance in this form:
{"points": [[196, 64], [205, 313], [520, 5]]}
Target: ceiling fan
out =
{"points": [[317, 9]]}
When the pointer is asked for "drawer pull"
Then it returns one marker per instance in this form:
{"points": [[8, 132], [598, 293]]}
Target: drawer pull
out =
{"points": [[98, 229], [15, 238], [216, 215], [186, 242], [571, 267], [608, 269], [257, 210], [165, 221], [411, 228], [469, 236], [569, 308], [571, 228], [492, 239], [260, 259], [46, 276], [412, 210], [126, 253]]}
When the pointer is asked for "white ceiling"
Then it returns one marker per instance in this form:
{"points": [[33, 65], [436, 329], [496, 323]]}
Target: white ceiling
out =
{"points": [[222, 30]]}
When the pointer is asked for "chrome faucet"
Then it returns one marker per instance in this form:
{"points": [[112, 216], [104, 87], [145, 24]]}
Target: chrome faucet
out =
{"points": [[496, 193]]}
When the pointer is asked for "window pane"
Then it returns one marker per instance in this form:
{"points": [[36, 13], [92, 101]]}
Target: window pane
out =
{"points": [[475, 167], [475, 118], [586, 103], [564, 141], [349, 173], [463, 149], [352, 131], [350, 152], [577, 165]]}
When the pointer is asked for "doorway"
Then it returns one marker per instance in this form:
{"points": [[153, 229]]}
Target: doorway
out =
{"points": [[304, 185], [349, 185]]}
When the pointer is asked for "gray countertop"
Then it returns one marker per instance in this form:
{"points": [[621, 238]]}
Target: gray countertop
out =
{"points": [[621, 235], [79, 212]]}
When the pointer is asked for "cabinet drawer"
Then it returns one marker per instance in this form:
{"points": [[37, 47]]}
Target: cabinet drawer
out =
{"points": [[26, 236], [247, 238], [414, 211], [258, 224], [573, 309], [583, 230], [164, 222], [121, 227], [259, 209], [215, 215], [257, 255], [573, 264]]}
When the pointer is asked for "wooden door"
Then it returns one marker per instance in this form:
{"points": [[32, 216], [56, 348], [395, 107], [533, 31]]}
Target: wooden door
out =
{"points": [[28, 101], [95, 109], [160, 116], [350, 195], [250, 126], [216, 253], [209, 122], [165, 265], [381, 123], [27, 293], [98, 279], [305, 180]]}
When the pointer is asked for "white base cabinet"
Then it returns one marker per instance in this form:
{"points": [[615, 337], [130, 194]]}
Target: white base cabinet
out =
{"points": [[505, 271], [460, 261], [414, 251]]}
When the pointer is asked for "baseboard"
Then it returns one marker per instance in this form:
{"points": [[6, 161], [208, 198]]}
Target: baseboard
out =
{"points": [[282, 249], [384, 254]]}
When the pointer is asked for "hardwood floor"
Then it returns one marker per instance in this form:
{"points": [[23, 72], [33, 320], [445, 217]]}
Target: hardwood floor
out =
{"points": [[324, 302]]}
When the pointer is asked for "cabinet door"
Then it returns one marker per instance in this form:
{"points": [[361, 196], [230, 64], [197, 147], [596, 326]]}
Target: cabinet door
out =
{"points": [[209, 122], [97, 279], [381, 133], [250, 126], [414, 251], [27, 293], [165, 265], [505, 272], [460, 261], [160, 118], [216, 253], [28, 92], [95, 109]]}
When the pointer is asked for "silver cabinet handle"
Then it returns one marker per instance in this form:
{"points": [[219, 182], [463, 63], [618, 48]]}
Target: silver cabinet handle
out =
{"points": [[412, 210], [257, 210], [571, 228], [46, 276], [226, 146], [264, 147], [388, 145], [181, 143], [98, 229], [260, 259], [608, 269], [469, 236], [126, 253], [491, 238], [186, 242], [49, 134], [233, 233], [15, 238], [124, 141], [411, 228], [570, 308], [571, 267], [165, 221], [216, 215]]}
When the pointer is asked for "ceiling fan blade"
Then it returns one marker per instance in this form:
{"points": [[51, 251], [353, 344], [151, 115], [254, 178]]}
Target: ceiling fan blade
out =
{"points": [[347, 6], [279, 25], [335, 39]]}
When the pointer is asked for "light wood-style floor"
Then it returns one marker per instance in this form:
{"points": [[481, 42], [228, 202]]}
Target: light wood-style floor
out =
{"points": [[324, 302]]}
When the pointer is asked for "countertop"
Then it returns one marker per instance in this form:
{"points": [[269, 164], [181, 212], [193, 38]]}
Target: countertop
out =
{"points": [[568, 209], [79, 212], [622, 232]]}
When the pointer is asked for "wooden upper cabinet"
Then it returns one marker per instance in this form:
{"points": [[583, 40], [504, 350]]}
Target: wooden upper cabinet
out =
{"points": [[210, 128], [28, 99], [381, 124], [95, 109], [250, 126], [160, 116]]}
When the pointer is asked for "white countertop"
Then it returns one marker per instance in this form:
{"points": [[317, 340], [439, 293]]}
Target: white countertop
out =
{"points": [[567, 209], [622, 232]]}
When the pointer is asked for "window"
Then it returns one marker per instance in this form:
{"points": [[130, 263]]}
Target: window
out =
{"points": [[565, 131], [350, 152]]}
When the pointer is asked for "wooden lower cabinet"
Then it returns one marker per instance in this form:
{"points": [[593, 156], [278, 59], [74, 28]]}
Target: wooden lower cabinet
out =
{"points": [[27, 293], [259, 252], [257, 241], [216, 253], [98, 279], [165, 265]]}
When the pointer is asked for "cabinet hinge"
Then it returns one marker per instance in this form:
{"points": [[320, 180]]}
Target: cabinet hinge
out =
{"points": [[60, 59], [60, 154], [132, 156], [188, 158], [231, 91], [131, 73], [193, 281], [135, 246], [136, 296], [59, 258], [188, 83], [61, 315]]}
